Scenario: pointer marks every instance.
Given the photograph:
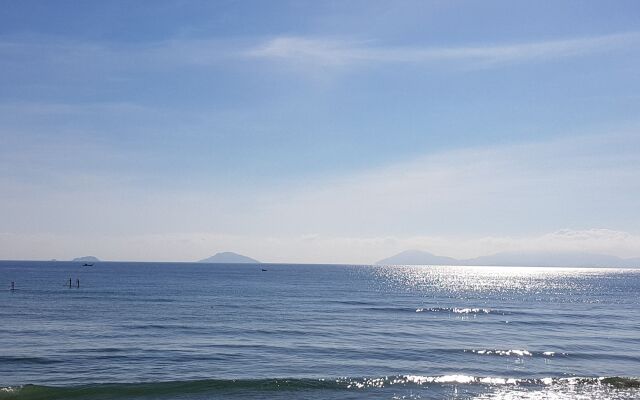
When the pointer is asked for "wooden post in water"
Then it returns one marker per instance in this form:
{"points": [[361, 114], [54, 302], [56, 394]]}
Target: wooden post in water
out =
{"points": [[13, 286], [78, 283], [69, 283]]}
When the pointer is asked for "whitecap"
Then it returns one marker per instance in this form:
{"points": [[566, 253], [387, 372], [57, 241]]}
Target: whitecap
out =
{"points": [[512, 352], [454, 379], [471, 310]]}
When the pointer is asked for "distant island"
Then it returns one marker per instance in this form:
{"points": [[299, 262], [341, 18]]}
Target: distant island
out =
{"points": [[513, 259], [418, 257], [86, 259], [228, 257]]}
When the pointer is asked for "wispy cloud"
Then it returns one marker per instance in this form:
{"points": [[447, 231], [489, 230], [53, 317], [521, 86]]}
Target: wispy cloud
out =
{"points": [[335, 52], [574, 182], [461, 203], [78, 56]]}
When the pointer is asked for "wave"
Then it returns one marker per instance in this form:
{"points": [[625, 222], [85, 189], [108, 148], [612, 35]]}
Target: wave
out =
{"points": [[615, 381], [460, 310], [447, 310], [522, 353], [517, 353], [216, 386]]}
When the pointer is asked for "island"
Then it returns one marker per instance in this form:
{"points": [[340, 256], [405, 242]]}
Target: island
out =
{"points": [[525, 259], [228, 257], [418, 257]]}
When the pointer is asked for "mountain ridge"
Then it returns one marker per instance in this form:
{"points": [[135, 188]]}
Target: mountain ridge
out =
{"points": [[512, 259], [229, 257], [412, 257]]}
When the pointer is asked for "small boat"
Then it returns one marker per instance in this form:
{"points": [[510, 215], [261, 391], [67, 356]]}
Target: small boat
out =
{"points": [[87, 265], [263, 270]]}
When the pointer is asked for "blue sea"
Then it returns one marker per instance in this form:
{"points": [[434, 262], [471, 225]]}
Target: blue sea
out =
{"points": [[208, 331]]}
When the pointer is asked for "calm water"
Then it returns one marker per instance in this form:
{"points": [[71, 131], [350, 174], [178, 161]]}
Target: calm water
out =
{"points": [[194, 331]]}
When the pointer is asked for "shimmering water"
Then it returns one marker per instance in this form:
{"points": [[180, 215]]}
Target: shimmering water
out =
{"points": [[194, 331]]}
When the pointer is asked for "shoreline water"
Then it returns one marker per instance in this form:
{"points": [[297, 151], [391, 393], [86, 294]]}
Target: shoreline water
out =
{"points": [[234, 331], [459, 386]]}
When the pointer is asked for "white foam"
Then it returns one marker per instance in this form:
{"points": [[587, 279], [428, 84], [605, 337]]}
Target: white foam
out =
{"points": [[459, 379], [471, 310], [455, 310], [512, 352], [454, 379]]}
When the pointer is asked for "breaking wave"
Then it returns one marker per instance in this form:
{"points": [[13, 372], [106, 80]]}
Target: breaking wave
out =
{"points": [[516, 353], [213, 386], [460, 310]]}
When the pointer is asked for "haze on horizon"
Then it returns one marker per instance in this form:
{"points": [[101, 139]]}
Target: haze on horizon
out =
{"points": [[337, 132]]}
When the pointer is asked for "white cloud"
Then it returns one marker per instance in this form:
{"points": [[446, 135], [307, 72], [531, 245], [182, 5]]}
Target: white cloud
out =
{"points": [[73, 59], [462, 203], [511, 189], [334, 52]]}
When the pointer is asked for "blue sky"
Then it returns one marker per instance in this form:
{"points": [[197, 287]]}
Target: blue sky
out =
{"points": [[318, 131]]}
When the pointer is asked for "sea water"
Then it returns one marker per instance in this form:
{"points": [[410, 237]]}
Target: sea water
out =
{"points": [[207, 331]]}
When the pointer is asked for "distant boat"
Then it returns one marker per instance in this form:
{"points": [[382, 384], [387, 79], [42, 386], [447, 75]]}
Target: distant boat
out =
{"points": [[263, 269], [87, 265]]}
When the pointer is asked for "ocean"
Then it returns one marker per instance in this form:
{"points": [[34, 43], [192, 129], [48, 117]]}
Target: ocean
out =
{"points": [[207, 331]]}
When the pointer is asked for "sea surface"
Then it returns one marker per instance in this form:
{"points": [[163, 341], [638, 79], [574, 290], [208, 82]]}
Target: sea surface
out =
{"points": [[206, 331]]}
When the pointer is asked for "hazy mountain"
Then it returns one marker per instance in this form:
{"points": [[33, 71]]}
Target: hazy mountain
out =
{"points": [[633, 262], [549, 259], [417, 257], [228, 257], [532, 259], [86, 259]]}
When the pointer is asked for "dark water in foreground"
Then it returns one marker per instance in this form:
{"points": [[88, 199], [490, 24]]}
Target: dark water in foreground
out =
{"points": [[193, 331]]}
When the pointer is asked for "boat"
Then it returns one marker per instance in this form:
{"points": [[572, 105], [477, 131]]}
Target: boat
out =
{"points": [[87, 265]]}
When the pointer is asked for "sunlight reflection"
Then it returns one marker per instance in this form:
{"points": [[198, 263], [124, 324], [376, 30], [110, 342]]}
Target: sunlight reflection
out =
{"points": [[476, 279]]}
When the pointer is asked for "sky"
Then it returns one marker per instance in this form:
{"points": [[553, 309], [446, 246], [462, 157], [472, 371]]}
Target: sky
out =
{"points": [[318, 131]]}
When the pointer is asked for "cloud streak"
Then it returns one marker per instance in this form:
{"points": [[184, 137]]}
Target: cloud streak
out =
{"points": [[63, 55], [578, 182], [335, 53]]}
